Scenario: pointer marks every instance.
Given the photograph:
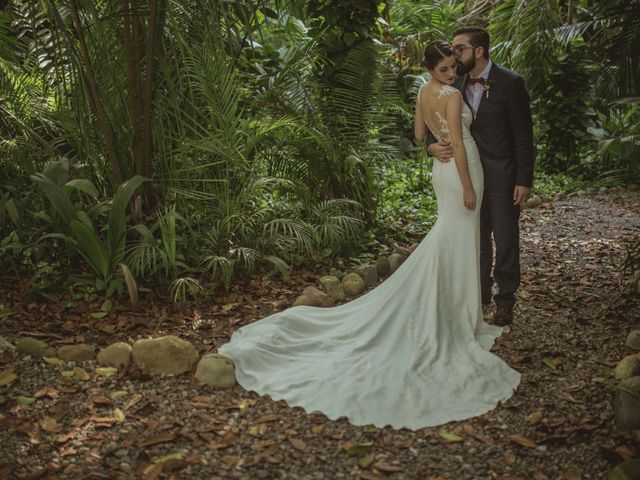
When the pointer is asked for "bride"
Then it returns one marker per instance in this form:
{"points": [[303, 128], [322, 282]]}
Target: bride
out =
{"points": [[414, 351]]}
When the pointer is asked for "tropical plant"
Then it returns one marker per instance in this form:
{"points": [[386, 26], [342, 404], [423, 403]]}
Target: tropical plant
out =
{"points": [[103, 252]]}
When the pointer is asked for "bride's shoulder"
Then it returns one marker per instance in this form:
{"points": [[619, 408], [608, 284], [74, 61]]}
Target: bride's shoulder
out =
{"points": [[448, 90]]}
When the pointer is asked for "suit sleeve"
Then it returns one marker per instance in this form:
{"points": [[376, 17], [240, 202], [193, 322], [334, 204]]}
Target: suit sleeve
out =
{"points": [[519, 111]]}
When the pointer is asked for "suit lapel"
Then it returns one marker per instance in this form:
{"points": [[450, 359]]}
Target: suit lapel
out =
{"points": [[491, 80]]}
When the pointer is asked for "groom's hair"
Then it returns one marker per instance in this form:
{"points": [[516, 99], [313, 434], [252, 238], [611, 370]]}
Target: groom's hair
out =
{"points": [[478, 37]]}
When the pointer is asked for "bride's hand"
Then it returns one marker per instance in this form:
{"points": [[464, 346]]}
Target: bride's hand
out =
{"points": [[469, 198]]}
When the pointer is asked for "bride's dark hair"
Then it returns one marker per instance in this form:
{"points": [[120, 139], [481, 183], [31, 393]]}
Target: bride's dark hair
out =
{"points": [[436, 51]]}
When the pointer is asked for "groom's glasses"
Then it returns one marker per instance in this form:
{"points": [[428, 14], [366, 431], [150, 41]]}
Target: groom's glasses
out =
{"points": [[459, 49]]}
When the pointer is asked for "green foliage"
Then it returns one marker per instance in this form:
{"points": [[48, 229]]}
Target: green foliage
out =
{"points": [[102, 251]]}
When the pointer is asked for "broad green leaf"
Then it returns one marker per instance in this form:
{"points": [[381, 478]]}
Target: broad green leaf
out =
{"points": [[99, 314], [91, 248], [118, 213], [53, 360], [25, 401], [56, 196], [449, 437], [106, 371], [68, 373], [7, 376], [106, 305], [83, 185]]}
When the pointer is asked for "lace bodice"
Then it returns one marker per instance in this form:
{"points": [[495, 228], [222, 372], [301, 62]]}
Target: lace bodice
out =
{"points": [[438, 126]]}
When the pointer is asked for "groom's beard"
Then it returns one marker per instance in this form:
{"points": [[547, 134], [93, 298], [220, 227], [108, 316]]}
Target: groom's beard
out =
{"points": [[464, 68]]}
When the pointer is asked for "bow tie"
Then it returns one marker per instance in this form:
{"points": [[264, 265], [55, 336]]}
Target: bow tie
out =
{"points": [[479, 80]]}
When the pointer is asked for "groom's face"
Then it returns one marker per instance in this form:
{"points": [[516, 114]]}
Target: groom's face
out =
{"points": [[465, 54]]}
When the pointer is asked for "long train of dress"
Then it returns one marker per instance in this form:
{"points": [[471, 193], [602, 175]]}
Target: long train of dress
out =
{"points": [[413, 352]]}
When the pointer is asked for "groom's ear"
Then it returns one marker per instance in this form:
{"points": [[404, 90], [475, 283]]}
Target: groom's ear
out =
{"points": [[479, 51]]}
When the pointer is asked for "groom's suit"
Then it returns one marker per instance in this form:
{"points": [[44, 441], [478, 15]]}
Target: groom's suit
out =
{"points": [[502, 129]]}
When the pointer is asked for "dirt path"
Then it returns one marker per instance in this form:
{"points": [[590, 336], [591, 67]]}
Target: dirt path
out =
{"points": [[570, 329]]}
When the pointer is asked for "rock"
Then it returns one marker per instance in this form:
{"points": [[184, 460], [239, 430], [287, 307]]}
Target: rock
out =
{"points": [[32, 346], [603, 189], [632, 187], [633, 340], [395, 260], [216, 371], [6, 345], [312, 297], [534, 202], [332, 286], [77, 353], [369, 274], [627, 404], [353, 284], [115, 355], [581, 193], [382, 267], [403, 252], [591, 191], [559, 196], [168, 354], [627, 470], [628, 367], [413, 247]]}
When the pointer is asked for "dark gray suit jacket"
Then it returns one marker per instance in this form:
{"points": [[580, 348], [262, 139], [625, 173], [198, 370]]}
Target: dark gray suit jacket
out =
{"points": [[503, 130]]}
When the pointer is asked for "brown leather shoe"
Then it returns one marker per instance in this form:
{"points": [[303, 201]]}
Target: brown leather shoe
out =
{"points": [[502, 316]]}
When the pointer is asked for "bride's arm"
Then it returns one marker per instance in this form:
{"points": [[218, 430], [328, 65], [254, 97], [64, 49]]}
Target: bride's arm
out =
{"points": [[453, 112], [420, 127]]}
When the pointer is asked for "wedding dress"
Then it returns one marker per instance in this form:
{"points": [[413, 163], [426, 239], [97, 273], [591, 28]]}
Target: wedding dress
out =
{"points": [[413, 352]]}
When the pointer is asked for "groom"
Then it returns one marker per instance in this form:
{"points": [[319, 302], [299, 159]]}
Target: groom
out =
{"points": [[502, 129]]}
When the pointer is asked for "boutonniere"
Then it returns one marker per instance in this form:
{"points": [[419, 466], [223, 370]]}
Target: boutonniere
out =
{"points": [[486, 88]]}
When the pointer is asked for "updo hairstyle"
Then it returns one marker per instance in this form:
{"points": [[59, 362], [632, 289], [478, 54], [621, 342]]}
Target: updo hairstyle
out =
{"points": [[436, 51]]}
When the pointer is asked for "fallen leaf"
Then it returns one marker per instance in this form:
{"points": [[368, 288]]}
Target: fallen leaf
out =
{"points": [[449, 437], [171, 456], [47, 391], [269, 417], [81, 373], [25, 401], [298, 444], [534, 418], [106, 371], [53, 360], [7, 376], [50, 425], [549, 362], [118, 415], [156, 439], [118, 394], [522, 440], [357, 448], [366, 461], [232, 460], [384, 467]]}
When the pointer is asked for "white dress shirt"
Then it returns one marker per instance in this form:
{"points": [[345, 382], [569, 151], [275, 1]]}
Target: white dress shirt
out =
{"points": [[474, 91]]}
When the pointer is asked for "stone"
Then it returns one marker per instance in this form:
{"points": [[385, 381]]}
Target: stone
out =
{"points": [[77, 353], [216, 370], [603, 189], [559, 196], [168, 355], [332, 286], [534, 202], [633, 340], [628, 367], [353, 284], [115, 355], [591, 191], [581, 193], [627, 470], [382, 267], [632, 187], [395, 260], [6, 345], [627, 404], [369, 274], [312, 297], [413, 247], [32, 346], [403, 252]]}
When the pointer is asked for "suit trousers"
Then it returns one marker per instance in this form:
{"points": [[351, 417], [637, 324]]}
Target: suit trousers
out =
{"points": [[499, 223]]}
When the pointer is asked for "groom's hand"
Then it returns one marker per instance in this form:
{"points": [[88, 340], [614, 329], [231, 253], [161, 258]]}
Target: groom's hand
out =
{"points": [[521, 194], [442, 151]]}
